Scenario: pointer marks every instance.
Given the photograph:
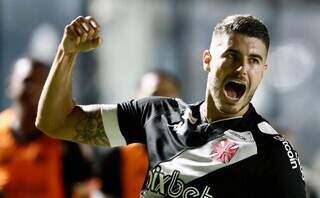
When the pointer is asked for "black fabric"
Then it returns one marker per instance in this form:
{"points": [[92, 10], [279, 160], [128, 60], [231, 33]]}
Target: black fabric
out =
{"points": [[110, 172], [170, 128], [24, 138], [76, 167]]}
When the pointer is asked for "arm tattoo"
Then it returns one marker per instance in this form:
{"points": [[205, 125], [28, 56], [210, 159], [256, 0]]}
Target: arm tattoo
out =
{"points": [[90, 130]]}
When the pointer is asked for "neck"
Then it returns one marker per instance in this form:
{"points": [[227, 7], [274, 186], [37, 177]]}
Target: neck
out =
{"points": [[211, 113]]}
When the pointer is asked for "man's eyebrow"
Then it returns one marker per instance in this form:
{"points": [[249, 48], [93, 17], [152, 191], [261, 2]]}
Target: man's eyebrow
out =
{"points": [[258, 56], [254, 55], [232, 51]]}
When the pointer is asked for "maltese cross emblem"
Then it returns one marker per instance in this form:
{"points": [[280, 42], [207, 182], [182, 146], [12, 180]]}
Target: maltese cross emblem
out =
{"points": [[224, 150]]}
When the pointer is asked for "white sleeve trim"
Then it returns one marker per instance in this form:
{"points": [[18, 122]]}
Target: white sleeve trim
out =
{"points": [[111, 125]]}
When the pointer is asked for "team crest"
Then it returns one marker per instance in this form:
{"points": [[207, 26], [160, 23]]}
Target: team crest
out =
{"points": [[224, 150]]}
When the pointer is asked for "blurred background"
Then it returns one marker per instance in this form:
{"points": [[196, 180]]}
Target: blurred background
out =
{"points": [[142, 35]]}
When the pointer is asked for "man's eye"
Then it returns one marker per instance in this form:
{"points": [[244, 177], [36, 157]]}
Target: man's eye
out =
{"points": [[232, 56], [254, 61]]}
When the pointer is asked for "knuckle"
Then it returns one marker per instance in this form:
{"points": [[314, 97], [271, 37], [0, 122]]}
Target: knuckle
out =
{"points": [[85, 26], [89, 17], [93, 23], [77, 20], [80, 17], [79, 31], [68, 28]]}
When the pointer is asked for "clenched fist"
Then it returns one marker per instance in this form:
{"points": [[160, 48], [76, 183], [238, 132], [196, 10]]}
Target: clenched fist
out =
{"points": [[81, 35]]}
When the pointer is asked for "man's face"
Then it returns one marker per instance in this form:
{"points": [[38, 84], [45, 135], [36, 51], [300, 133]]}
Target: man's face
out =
{"points": [[235, 66], [26, 84]]}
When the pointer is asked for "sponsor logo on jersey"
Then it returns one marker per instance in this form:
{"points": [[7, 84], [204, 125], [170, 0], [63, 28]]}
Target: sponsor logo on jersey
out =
{"points": [[171, 185], [239, 136], [292, 155], [224, 150]]}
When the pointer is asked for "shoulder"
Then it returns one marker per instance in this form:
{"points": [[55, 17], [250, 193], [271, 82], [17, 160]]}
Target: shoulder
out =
{"points": [[282, 151], [277, 147], [269, 137], [134, 151], [159, 100], [282, 162], [265, 128], [154, 103]]}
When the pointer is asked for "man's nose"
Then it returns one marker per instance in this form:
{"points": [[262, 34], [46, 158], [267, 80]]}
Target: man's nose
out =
{"points": [[242, 68]]}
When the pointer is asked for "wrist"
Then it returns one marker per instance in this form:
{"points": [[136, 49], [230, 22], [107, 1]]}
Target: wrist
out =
{"points": [[65, 52]]}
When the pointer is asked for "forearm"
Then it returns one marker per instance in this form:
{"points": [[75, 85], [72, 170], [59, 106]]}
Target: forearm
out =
{"points": [[56, 101], [58, 116]]}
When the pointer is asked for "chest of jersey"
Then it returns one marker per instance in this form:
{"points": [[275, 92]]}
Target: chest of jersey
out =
{"points": [[187, 157]]}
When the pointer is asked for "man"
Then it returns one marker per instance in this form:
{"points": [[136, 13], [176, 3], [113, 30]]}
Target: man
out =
{"points": [[32, 164], [158, 83], [123, 169], [219, 147]]}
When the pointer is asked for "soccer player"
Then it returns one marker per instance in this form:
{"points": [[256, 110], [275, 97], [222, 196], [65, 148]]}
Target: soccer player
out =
{"points": [[219, 147]]}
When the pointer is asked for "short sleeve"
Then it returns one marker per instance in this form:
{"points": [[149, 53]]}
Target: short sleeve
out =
{"points": [[126, 122], [131, 119]]}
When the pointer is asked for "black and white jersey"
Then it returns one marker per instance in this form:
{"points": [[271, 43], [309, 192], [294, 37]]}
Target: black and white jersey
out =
{"points": [[242, 157]]}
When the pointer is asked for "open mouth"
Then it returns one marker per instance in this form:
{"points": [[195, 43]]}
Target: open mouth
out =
{"points": [[234, 90]]}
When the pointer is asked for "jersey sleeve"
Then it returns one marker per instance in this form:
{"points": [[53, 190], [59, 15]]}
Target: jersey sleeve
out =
{"points": [[124, 122], [288, 181], [132, 119]]}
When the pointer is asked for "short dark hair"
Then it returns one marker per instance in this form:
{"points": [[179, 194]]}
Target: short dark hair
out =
{"points": [[244, 24]]}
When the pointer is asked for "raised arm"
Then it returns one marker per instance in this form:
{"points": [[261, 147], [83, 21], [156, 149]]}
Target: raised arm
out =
{"points": [[58, 114]]}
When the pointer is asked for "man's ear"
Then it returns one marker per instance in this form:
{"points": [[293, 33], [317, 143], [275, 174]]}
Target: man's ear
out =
{"points": [[206, 58], [265, 67]]}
